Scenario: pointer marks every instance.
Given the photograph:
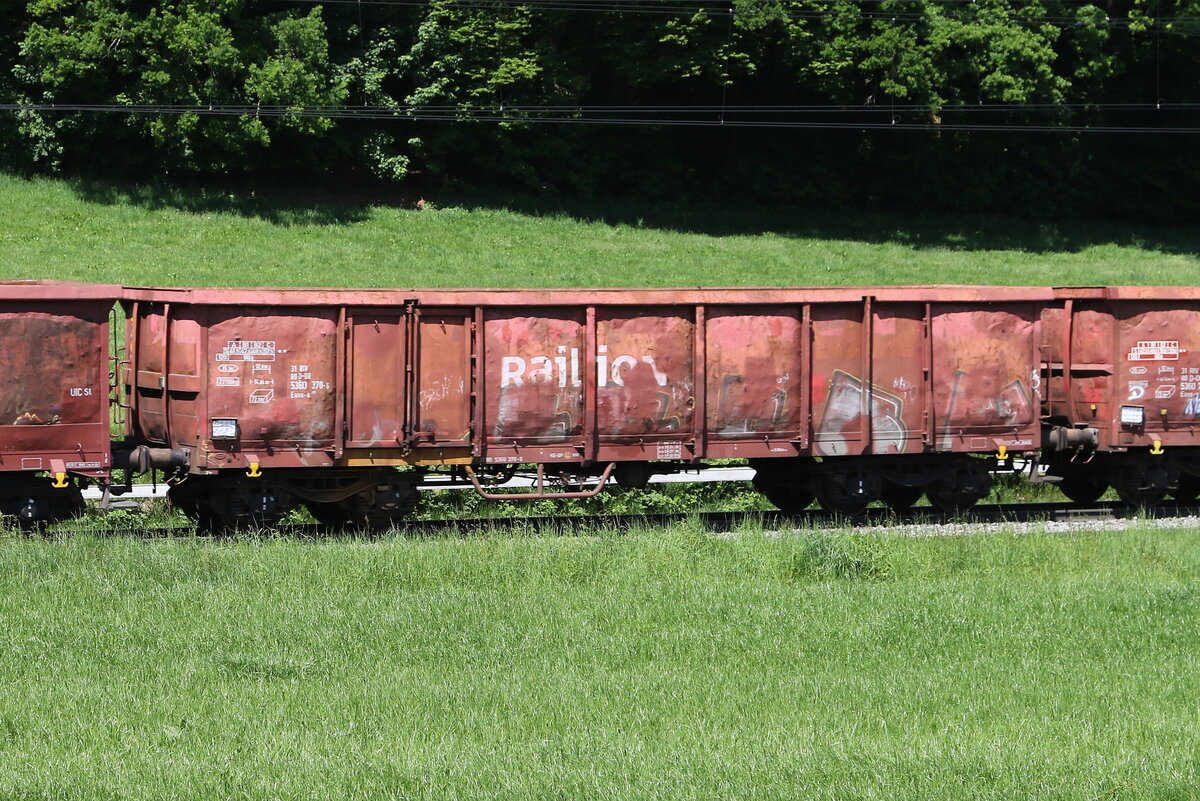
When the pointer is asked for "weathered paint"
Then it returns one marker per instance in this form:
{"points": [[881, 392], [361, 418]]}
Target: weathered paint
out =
{"points": [[754, 372], [987, 376], [284, 384], [1126, 346], [600, 375], [1157, 358], [54, 392], [645, 389], [534, 377], [378, 353], [443, 378]]}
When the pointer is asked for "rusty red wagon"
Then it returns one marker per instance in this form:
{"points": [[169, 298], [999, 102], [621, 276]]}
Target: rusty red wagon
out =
{"points": [[54, 395], [265, 399], [1123, 407]]}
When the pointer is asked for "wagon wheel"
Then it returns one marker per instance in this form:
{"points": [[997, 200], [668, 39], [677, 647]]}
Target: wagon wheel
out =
{"points": [[789, 499], [899, 497], [1139, 488], [844, 507], [1084, 489], [330, 515], [377, 510], [1141, 498], [35, 504], [182, 501], [835, 498], [218, 508], [959, 491], [1188, 489], [196, 512], [64, 504]]}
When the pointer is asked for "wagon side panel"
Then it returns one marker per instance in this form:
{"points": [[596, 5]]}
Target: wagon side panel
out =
{"points": [[839, 379], [898, 379], [54, 386], [754, 372], [444, 379], [534, 391], [645, 381], [986, 376], [1157, 357], [275, 372]]}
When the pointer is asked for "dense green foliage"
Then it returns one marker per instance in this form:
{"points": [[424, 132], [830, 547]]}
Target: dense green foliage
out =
{"points": [[640, 665], [450, 58]]}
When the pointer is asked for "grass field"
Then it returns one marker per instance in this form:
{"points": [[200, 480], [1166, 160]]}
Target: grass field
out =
{"points": [[81, 231], [654, 664]]}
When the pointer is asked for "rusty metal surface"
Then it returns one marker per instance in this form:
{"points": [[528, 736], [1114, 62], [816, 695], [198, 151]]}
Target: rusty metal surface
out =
{"points": [[377, 386], [56, 291], [1158, 368], [561, 376], [987, 376], [444, 378], [1126, 346], [869, 385], [495, 298], [754, 373], [1082, 393], [644, 374], [54, 378], [532, 372], [276, 372]]}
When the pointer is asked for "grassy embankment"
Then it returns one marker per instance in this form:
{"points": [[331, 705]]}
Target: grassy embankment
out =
{"points": [[98, 233], [650, 664]]}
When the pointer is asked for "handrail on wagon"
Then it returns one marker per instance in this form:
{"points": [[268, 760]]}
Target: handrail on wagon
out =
{"points": [[540, 494]]}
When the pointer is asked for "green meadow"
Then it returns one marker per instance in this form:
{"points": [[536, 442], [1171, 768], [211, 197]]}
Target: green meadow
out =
{"points": [[89, 232], [644, 664]]}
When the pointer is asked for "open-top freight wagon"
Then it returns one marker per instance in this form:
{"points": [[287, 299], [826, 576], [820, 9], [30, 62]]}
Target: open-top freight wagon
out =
{"points": [[256, 401], [846, 394], [54, 395]]}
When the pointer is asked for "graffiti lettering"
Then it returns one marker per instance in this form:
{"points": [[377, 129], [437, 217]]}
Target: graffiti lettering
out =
{"points": [[564, 369]]}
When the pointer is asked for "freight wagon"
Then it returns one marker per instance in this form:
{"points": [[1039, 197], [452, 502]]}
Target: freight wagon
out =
{"points": [[1123, 402], [261, 400], [54, 396], [254, 402]]}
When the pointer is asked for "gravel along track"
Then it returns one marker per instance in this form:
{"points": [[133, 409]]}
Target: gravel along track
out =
{"points": [[918, 522]]}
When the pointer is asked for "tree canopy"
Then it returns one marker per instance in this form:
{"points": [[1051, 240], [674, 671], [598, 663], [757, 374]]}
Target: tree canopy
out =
{"points": [[1026, 105]]}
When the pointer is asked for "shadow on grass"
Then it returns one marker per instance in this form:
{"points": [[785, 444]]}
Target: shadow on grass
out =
{"points": [[291, 204], [916, 229], [331, 201]]}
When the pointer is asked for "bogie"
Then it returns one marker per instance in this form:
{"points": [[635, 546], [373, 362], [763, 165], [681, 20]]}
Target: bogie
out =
{"points": [[35, 501]]}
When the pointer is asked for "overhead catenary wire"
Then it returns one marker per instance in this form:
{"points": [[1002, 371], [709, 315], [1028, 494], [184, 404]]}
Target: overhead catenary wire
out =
{"points": [[518, 108], [724, 7], [352, 112]]}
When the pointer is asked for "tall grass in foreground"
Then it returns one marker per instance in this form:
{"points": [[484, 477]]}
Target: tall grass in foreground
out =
{"points": [[654, 664]]}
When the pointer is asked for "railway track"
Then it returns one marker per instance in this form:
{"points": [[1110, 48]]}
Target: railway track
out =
{"points": [[727, 522]]}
